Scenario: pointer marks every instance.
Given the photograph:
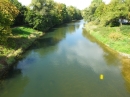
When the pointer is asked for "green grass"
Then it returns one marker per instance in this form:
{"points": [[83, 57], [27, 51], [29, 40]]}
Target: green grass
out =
{"points": [[18, 39], [117, 38], [17, 43], [22, 31]]}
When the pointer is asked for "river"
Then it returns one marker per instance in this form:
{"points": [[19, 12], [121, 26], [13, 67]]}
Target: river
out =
{"points": [[68, 62]]}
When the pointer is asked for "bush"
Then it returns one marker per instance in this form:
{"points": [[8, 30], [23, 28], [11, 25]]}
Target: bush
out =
{"points": [[10, 60], [115, 36]]}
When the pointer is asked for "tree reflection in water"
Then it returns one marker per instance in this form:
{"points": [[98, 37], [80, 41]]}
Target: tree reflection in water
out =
{"points": [[113, 57], [110, 56], [126, 72], [7, 86]]}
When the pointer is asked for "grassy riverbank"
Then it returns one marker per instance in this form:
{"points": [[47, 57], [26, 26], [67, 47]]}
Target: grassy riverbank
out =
{"points": [[17, 43], [117, 38]]}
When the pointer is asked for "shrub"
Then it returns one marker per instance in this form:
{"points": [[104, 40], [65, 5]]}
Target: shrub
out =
{"points": [[10, 60], [115, 36]]}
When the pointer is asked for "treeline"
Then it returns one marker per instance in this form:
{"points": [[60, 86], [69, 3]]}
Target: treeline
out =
{"points": [[44, 14], [40, 15], [111, 14]]}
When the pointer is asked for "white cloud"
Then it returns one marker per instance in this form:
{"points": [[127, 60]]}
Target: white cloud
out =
{"points": [[92, 56]]}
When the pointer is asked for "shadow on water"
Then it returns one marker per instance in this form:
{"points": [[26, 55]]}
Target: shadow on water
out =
{"points": [[49, 41], [56, 27], [54, 36], [8, 88]]}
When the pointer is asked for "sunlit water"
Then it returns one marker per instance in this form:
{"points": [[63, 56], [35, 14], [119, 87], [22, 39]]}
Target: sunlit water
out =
{"points": [[67, 62]]}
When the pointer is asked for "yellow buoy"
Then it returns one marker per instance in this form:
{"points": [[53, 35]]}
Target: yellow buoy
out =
{"points": [[101, 76]]}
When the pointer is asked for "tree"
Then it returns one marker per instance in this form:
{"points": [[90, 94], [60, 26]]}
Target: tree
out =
{"points": [[44, 14], [40, 14], [39, 6], [103, 14], [127, 2], [100, 11], [114, 11], [8, 12], [88, 13], [20, 19]]}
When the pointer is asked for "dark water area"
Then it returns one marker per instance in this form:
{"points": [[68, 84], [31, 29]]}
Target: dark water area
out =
{"points": [[68, 62]]}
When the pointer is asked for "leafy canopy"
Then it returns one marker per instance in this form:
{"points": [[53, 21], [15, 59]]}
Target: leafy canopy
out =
{"points": [[8, 12]]}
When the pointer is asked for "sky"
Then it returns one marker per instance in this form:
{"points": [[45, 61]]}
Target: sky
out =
{"points": [[80, 4]]}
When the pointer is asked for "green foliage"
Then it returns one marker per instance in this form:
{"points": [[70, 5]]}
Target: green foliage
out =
{"points": [[88, 13], [1, 66], [20, 19], [117, 38], [115, 11], [125, 30], [10, 60], [21, 37], [8, 12], [22, 31], [127, 3], [44, 14], [107, 14]]}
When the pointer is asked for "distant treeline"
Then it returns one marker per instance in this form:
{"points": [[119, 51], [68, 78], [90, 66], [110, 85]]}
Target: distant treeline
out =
{"points": [[40, 15], [107, 14]]}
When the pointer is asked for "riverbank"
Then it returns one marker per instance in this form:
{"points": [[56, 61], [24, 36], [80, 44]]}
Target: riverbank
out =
{"points": [[16, 44], [117, 38]]}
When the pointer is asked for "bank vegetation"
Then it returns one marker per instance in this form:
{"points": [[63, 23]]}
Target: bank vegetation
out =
{"points": [[110, 23], [21, 25]]}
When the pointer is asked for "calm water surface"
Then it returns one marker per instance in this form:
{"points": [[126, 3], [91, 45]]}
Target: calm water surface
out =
{"points": [[67, 62]]}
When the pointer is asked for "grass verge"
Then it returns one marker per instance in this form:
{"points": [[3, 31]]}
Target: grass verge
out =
{"points": [[117, 38]]}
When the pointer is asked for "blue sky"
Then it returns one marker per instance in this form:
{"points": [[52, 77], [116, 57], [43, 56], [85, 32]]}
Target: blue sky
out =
{"points": [[80, 4]]}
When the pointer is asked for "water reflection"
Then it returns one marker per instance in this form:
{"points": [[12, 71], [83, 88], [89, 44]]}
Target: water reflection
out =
{"points": [[57, 35], [72, 28], [53, 37], [109, 55], [14, 84], [112, 58], [48, 43], [126, 72], [63, 63]]}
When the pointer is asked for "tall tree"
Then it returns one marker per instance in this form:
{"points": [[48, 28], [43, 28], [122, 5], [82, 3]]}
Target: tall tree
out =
{"points": [[115, 10], [88, 13], [127, 2], [8, 12], [44, 14], [107, 14], [20, 19]]}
